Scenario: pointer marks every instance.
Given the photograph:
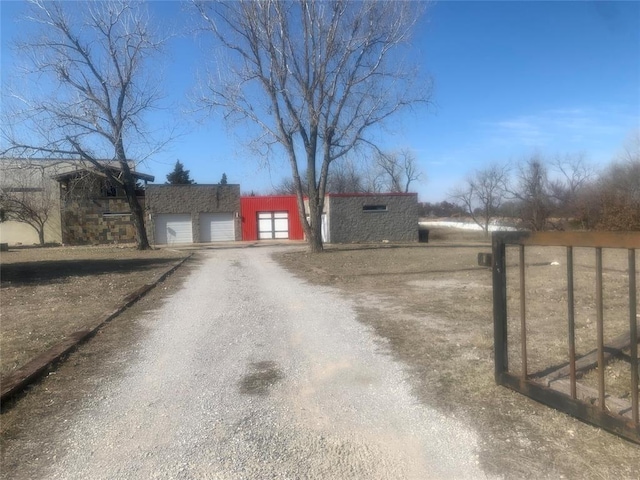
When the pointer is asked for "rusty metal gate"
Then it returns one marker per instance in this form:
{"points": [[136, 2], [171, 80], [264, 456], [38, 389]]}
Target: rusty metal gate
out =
{"points": [[557, 385]]}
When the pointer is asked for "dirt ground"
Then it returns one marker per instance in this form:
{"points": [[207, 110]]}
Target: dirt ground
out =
{"points": [[49, 293], [430, 305]]}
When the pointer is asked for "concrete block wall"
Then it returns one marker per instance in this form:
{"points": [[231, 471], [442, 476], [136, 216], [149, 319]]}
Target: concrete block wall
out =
{"points": [[193, 200], [349, 221]]}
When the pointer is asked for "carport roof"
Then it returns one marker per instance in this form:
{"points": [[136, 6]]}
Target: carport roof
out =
{"points": [[94, 171]]}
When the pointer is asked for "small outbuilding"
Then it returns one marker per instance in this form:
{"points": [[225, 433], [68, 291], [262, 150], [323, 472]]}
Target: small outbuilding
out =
{"points": [[182, 214], [270, 218], [347, 218], [370, 217]]}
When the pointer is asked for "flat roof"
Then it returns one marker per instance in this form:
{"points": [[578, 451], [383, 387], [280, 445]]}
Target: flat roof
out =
{"points": [[81, 171]]}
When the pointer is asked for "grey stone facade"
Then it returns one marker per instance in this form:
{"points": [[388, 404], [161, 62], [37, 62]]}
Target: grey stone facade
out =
{"points": [[372, 217], [193, 200], [97, 220], [93, 211]]}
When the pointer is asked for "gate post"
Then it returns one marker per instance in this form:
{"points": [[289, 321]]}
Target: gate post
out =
{"points": [[499, 307]]}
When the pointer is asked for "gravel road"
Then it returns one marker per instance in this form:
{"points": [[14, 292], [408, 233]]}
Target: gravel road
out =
{"points": [[249, 373]]}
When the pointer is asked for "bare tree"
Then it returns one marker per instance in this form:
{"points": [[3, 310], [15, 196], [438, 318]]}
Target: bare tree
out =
{"points": [[631, 149], [288, 187], [532, 193], [483, 193], [575, 172], [619, 189], [97, 57], [28, 195], [345, 176], [314, 77], [575, 176], [397, 170]]}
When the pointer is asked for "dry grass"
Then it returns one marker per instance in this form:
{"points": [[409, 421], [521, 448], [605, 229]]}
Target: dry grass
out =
{"points": [[49, 293], [546, 309], [431, 306]]}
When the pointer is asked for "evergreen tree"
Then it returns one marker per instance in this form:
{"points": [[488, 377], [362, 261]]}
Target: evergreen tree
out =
{"points": [[179, 176], [223, 180]]}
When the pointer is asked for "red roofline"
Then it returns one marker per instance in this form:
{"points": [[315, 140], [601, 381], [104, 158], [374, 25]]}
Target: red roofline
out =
{"points": [[268, 196], [389, 194]]}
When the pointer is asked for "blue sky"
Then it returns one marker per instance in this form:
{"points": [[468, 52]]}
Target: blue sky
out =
{"points": [[511, 79]]}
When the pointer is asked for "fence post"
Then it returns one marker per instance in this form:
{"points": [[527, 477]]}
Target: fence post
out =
{"points": [[499, 307]]}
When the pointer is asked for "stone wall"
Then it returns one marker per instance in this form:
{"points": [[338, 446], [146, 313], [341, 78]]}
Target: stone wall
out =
{"points": [[97, 220], [372, 218], [193, 200]]}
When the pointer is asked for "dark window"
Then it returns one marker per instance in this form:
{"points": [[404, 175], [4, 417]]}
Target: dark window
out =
{"points": [[374, 208], [110, 191], [120, 214]]}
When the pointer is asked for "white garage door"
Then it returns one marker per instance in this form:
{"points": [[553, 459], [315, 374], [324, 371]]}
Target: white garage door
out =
{"points": [[173, 228], [273, 225], [217, 227]]}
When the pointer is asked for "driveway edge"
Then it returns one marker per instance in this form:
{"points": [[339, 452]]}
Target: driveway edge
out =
{"points": [[17, 381]]}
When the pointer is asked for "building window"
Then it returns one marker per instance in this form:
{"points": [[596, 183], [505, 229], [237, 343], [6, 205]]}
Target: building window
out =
{"points": [[109, 190], [374, 208]]}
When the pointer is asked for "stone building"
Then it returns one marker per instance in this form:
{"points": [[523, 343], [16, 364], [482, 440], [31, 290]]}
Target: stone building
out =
{"points": [[95, 211], [79, 204]]}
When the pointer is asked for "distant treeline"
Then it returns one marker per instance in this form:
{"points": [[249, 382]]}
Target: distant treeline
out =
{"points": [[536, 197]]}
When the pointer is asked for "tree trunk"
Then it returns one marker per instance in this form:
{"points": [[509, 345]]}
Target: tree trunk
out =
{"points": [[315, 241], [39, 228], [316, 202], [138, 221], [137, 213], [315, 226]]}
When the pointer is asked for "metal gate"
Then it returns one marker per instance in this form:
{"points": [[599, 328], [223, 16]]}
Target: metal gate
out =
{"points": [[557, 385]]}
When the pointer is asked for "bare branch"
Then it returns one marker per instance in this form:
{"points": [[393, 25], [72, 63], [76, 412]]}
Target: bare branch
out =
{"points": [[314, 77], [397, 169], [97, 57], [27, 194], [483, 193]]}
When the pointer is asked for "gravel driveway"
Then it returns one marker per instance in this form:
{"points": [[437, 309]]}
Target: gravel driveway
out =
{"points": [[247, 372]]}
